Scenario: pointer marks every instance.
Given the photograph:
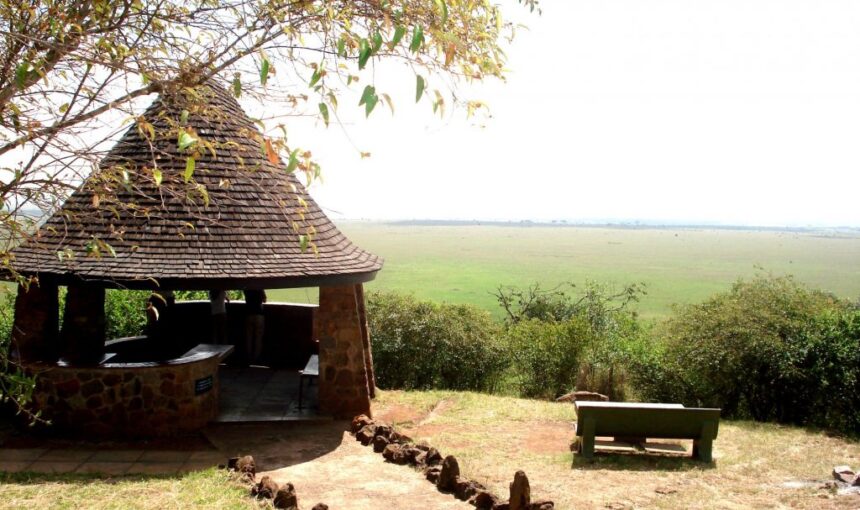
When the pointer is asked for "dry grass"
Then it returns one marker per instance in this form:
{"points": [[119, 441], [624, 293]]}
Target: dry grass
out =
{"points": [[203, 489], [492, 437]]}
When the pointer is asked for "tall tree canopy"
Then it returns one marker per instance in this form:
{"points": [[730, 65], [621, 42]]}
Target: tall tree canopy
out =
{"points": [[73, 73]]}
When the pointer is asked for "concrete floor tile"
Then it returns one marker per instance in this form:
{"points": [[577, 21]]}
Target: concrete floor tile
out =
{"points": [[116, 456], [105, 468], [14, 466], [155, 468], [28, 454], [153, 456], [43, 466], [66, 455]]}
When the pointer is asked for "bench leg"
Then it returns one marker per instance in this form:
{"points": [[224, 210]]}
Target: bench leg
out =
{"points": [[703, 447], [301, 383], [586, 445]]}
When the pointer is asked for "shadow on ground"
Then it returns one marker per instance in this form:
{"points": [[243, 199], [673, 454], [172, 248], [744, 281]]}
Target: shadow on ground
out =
{"points": [[638, 462]]}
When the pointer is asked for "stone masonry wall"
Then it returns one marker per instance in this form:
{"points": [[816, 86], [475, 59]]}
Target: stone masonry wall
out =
{"points": [[343, 382], [127, 401]]}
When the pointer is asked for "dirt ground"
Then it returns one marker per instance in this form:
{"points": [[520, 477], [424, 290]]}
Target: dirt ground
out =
{"points": [[756, 465], [326, 464]]}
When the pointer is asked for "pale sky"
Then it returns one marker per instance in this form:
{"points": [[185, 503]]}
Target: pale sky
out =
{"points": [[732, 112]]}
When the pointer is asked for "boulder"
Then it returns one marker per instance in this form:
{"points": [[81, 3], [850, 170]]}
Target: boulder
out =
{"points": [[412, 454], [542, 505], [397, 437], [844, 474], [379, 443], [320, 506], [582, 396], [266, 488], [464, 488], [449, 474], [432, 474], [394, 453], [359, 422], [521, 494], [246, 466], [365, 435], [286, 498], [484, 500], [433, 457], [383, 430]]}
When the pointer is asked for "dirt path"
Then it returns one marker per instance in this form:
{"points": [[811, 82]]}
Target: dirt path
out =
{"points": [[326, 464]]}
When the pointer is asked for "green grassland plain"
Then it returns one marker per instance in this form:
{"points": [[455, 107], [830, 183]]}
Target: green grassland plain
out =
{"points": [[466, 263]]}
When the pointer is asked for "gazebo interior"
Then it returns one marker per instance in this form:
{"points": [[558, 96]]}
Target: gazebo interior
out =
{"points": [[202, 360]]}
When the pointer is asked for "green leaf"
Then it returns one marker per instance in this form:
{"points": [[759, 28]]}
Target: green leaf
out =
{"points": [[264, 69], [399, 32], [315, 77], [368, 91], [377, 42], [185, 140], [303, 242], [190, 163], [368, 99], [419, 87], [363, 53], [156, 175], [21, 73], [324, 112], [183, 117], [64, 107], [341, 47], [444, 8], [294, 161], [417, 39], [237, 85]]}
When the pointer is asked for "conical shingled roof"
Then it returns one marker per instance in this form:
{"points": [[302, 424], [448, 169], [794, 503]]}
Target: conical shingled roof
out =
{"points": [[246, 236]]}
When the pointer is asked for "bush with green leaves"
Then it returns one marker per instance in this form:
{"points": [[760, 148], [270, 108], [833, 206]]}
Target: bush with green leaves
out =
{"points": [[566, 338], [423, 345], [769, 348]]}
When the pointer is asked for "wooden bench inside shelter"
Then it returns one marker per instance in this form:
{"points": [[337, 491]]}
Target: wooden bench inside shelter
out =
{"points": [[309, 373], [635, 422]]}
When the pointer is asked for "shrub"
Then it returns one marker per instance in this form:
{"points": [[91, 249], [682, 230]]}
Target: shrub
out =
{"points": [[421, 345], [765, 349], [564, 339]]}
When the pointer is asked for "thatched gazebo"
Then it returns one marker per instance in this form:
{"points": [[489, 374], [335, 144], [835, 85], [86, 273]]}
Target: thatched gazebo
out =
{"points": [[240, 221]]}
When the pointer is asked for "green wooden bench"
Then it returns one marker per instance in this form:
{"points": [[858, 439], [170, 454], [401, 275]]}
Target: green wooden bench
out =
{"points": [[638, 420]]}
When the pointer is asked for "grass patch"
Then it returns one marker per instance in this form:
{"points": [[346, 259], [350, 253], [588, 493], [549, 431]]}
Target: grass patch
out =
{"points": [[492, 437], [209, 488]]}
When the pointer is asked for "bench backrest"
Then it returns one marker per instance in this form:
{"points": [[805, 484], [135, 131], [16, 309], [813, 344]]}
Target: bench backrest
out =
{"points": [[668, 421]]}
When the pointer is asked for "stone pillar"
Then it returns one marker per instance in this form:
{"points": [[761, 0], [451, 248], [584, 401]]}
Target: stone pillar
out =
{"points": [[365, 339], [83, 334], [343, 381], [37, 317]]}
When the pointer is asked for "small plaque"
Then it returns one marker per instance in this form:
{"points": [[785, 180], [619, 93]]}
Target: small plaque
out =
{"points": [[203, 385]]}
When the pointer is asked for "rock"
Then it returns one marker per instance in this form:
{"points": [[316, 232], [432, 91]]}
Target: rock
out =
{"points": [[320, 506], [246, 465], [397, 437], [856, 481], [394, 453], [267, 488], [379, 443], [359, 422], [465, 489], [433, 473], [411, 454], [383, 430], [521, 493], [844, 474], [583, 396], [484, 500], [449, 474], [502, 506], [542, 505], [365, 435], [433, 457], [286, 497], [231, 462]]}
